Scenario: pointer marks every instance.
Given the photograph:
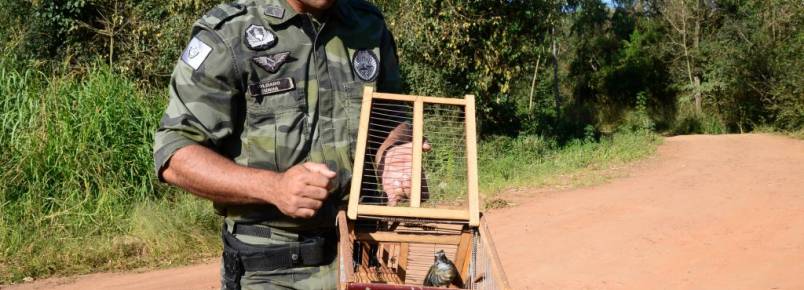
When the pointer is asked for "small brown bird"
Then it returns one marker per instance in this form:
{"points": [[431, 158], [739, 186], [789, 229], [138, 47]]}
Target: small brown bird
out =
{"points": [[442, 272]]}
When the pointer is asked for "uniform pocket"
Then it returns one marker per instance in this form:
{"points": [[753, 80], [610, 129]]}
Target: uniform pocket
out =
{"points": [[351, 100], [275, 125]]}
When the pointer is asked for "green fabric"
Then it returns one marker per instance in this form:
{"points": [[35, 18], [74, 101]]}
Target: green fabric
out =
{"points": [[315, 122]]}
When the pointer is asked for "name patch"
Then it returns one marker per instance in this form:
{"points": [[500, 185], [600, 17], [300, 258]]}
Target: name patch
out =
{"points": [[272, 87]]}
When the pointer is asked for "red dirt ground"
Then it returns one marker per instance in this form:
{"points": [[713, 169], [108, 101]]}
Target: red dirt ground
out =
{"points": [[707, 212]]}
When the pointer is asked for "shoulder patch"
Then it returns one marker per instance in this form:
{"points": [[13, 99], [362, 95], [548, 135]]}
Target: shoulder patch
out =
{"points": [[196, 53], [221, 13]]}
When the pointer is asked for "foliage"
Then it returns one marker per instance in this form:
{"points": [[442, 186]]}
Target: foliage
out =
{"points": [[77, 171], [735, 61], [563, 86], [455, 47]]}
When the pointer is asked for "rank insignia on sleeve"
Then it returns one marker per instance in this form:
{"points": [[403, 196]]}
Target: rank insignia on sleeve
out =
{"points": [[273, 62], [275, 11], [366, 65], [259, 38], [196, 53], [271, 87]]}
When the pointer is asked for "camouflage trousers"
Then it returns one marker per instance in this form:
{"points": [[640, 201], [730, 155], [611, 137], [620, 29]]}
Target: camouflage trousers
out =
{"points": [[321, 277]]}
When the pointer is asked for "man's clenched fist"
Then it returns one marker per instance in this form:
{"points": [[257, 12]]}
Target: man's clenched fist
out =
{"points": [[302, 189]]}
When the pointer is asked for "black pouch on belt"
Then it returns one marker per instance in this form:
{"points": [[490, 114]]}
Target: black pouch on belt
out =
{"points": [[232, 266], [309, 251]]}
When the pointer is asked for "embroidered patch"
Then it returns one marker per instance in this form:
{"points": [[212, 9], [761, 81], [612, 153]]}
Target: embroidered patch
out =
{"points": [[275, 11], [272, 87], [259, 38], [196, 53], [272, 63], [366, 65]]}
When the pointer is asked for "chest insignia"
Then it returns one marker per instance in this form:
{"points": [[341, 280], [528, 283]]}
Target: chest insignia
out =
{"points": [[195, 53], [272, 63], [272, 87], [366, 65], [275, 11], [259, 38]]}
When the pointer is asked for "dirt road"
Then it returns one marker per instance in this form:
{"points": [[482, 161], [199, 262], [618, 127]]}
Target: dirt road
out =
{"points": [[707, 212]]}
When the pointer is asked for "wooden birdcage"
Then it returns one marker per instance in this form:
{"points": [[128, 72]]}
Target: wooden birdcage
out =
{"points": [[389, 245]]}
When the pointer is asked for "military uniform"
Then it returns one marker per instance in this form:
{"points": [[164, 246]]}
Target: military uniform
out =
{"points": [[271, 88]]}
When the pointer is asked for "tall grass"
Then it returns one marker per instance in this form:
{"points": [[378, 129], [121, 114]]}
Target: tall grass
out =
{"points": [[78, 193], [534, 161]]}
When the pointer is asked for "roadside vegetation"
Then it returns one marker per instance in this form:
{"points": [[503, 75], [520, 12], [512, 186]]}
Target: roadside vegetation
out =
{"points": [[79, 193], [565, 88]]}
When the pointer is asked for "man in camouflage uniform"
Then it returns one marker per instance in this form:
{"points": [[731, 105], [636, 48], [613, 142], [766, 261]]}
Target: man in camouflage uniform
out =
{"points": [[262, 120]]}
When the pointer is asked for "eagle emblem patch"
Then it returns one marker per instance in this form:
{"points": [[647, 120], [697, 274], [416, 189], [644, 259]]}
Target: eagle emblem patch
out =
{"points": [[366, 65], [272, 63], [259, 38]]}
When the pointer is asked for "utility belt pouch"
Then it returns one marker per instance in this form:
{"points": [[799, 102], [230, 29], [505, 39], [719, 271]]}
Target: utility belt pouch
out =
{"points": [[310, 251], [232, 265]]}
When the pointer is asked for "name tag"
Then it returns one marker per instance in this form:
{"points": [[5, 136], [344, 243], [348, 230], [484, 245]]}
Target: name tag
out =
{"points": [[271, 87]]}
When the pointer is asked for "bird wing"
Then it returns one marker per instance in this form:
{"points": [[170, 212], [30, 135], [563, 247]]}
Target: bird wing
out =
{"points": [[456, 277], [431, 276]]}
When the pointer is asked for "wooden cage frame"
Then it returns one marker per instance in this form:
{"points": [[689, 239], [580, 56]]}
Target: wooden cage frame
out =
{"points": [[354, 276], [471, 215]]}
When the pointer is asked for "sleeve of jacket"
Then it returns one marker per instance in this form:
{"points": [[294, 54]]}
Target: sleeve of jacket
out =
{"points": [[389, 80], [203, 89]]}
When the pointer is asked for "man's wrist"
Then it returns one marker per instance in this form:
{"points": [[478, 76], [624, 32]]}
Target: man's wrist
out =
{"points": [[264, 187]]}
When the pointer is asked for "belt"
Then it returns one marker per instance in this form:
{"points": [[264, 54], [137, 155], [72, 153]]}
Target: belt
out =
{"points": [[310, 250]]}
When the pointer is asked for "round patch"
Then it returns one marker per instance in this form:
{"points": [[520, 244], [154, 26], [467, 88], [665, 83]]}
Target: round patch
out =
{"points": [[259, 38], [366, 65]]}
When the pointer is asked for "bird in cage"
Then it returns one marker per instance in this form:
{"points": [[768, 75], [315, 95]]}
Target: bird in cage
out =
{"points": [[442, 272]]}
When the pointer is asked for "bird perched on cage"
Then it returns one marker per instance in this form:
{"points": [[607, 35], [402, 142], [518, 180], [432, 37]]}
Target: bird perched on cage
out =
{"points": [[442, 272]]}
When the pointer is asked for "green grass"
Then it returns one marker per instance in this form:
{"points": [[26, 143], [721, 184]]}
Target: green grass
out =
{"points": [[78, 192], [799, 134], [533, 161]]}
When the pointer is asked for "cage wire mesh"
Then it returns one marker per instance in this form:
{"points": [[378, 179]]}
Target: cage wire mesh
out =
{"points": [[481, 275], [444, 169]]}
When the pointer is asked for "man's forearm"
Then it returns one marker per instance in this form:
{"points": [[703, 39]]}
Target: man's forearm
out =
{"points": [[207, 174]]}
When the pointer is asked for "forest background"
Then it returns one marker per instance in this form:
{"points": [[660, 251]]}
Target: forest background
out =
{"points": [[563, 84]]}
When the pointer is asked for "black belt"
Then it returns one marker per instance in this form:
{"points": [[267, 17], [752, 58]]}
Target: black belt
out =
{"points": [[250, 230], [310, 250]]}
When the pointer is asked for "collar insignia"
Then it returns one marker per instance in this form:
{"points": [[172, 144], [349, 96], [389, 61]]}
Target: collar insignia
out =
{"points": [[271, 63], [275, 11], [259, 38], [366, 65]]}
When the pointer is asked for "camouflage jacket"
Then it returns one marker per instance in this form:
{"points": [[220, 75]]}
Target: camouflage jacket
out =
{"points": [[271, 88]]}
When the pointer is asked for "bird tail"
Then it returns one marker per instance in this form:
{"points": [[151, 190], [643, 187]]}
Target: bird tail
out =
{"points": [[457, 281]]}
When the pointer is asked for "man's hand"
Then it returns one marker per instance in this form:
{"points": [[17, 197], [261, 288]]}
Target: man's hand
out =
{"points": [[396, 171], [302, 189]]}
